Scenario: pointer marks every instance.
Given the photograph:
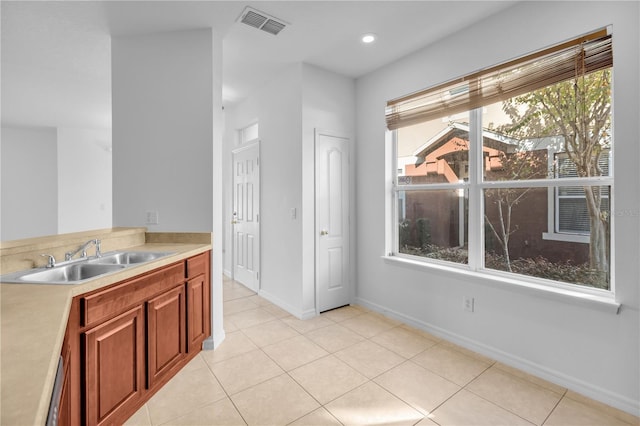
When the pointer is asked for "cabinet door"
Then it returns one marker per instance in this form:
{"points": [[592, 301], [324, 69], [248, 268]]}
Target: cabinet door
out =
{"points": [[199, 322], [114, 369], [166, 319]]}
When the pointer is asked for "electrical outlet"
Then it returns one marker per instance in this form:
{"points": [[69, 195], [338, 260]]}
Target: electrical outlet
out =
{"points": [[467, 303], [152, 217]]}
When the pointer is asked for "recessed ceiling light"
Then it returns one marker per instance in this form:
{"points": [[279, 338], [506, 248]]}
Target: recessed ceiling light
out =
{"points": [[368, 38]]}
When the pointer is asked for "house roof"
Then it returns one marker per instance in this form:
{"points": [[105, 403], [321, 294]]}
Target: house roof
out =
{"points": [[461, 131]]}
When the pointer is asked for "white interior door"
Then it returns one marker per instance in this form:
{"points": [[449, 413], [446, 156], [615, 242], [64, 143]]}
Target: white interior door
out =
{"points": [[332, 221], [246, 215]]}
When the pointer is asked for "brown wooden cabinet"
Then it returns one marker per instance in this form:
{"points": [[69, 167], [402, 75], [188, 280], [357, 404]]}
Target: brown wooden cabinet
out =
{"points": [[114, 366], [198, 303], [64, 409], [125, 341], [166, 333]]}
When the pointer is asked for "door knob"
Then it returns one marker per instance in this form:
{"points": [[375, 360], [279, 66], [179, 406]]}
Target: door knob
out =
{"points": [[324, 232], [233, 222]]}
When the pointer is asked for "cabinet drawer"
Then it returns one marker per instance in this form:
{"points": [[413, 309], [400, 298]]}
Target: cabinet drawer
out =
{"points": [[103, 304], [197, 265]]}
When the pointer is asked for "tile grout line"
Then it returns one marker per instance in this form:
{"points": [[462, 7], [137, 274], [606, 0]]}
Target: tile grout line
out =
{"points": [[199, 406], [313, 397], [555, 406], [369, 380], [424, 416], [226, 393], [500, 406], [439, 343]]}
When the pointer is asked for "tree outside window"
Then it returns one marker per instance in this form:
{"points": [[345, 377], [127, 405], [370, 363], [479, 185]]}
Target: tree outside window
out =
{"points": [[555, 139]]}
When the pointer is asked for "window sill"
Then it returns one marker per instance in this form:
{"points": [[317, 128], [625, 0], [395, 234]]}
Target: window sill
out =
{"points": [[571, 238], [592, 301]]}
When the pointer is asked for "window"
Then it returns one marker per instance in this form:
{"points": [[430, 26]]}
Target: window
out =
{"points": [[248, 134], [484, 164], [433, 208], [571, 213]]}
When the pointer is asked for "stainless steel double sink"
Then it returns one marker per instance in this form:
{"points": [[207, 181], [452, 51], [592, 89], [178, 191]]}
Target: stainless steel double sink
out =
{"points": [[81, 270]]}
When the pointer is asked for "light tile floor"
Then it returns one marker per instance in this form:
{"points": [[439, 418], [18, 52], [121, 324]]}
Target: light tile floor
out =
{"points": [[352, 366]]}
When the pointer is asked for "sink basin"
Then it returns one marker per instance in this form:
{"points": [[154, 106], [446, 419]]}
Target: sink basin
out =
{"points": [[79, 271], [69, 273], [129, 257]]}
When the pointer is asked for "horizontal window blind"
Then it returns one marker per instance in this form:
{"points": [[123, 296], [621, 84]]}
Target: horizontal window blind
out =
{"points": [[572, 212], [565, 61], [573, 215], [565, 168]]}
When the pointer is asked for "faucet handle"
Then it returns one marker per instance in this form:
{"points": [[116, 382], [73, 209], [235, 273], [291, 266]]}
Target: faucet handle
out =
{"points": [[98, 248], [51, 262]]}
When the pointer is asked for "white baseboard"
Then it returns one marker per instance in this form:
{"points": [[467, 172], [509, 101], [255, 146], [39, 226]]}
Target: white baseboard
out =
{"points": [[298, 313], [281, 304], [212, 342], [308, 314], [594, 392]]}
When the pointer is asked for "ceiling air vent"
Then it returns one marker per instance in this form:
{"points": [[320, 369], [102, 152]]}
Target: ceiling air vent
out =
{"points": [[262, 21]]}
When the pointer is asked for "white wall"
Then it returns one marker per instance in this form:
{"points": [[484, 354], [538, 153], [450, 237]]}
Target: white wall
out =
{"points": [[29, 201], [84, 179], [328, 104], [588, 350], [288, 111], [162, 106], [217, 201], [167, 139], [277, 107]]}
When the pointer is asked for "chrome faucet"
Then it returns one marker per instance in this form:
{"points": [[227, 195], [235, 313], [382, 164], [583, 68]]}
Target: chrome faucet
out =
{"points": [[51, 261], [83, 249]]}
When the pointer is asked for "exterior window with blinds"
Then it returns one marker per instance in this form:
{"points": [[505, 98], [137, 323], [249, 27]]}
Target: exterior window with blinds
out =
{"points": [[572, 215], [487, 165]]}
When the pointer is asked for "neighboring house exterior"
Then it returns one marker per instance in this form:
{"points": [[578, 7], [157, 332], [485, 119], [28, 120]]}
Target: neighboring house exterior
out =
{"points": [[444, 159]]}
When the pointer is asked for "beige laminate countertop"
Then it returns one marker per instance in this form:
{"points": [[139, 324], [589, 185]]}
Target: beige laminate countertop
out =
{"points": [[33, 322]]}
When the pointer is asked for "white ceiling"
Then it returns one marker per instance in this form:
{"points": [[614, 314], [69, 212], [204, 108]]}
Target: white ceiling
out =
{"points": [[56, 54]]}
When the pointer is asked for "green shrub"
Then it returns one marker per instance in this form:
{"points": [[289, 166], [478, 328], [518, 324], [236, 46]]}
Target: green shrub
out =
{"points": [[539, 266], [404, 232], [423, 231], [542, 267], [450, 254]]}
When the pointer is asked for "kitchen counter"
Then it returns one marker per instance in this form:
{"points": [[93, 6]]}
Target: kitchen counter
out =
{"points": [[33, 322]]}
